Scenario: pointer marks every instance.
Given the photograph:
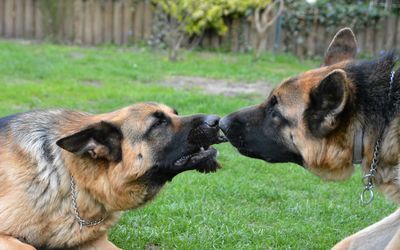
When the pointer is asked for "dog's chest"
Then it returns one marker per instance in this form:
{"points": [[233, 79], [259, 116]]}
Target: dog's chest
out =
{"points": [[66, 232]]}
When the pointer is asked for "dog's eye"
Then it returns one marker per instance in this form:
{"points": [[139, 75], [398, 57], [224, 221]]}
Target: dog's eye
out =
{"points": [[160, 119], [274, 114]]}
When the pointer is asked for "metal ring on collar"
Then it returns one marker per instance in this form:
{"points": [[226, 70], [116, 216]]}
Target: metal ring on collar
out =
{"points": [[367, 195]]}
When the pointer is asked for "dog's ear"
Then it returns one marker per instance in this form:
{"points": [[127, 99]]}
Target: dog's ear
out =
{"points": [[343, 47], [100, 140], [327, 102]]}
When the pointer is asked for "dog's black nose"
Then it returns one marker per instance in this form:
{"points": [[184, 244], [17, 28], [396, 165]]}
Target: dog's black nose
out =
{"points": [[224, 123], [212, 120]]}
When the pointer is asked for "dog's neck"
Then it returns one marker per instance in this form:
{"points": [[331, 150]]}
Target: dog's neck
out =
{"points": [[376, 104], [371, 80], [376, 97]]}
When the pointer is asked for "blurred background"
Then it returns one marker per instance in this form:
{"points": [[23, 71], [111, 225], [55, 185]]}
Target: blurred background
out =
{"points": [[300, 27]]}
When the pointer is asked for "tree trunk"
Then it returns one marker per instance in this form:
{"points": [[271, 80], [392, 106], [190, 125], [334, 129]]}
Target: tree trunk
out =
{"points": [[235, 35], [174, 47], [261, 43], [172, 54]]}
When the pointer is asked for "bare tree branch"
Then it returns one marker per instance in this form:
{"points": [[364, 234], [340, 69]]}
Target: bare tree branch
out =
{"points": [[262, 21], [262, 24], [281, 6]]}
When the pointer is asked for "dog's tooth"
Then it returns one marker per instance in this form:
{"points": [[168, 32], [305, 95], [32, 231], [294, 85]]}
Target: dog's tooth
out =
{"points": [[180, 162]]}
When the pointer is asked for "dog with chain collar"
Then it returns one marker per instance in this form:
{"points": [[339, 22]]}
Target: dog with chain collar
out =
{"points": [[326, 119], [67, 175]]}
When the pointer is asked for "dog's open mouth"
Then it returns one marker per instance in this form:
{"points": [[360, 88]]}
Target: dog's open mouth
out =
{"points": [[203, 158], [200, 156]]}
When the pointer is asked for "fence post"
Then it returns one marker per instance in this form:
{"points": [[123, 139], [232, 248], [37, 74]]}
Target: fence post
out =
{"points": [[19, 18], [117, 22], [1, 17], [147, 20], [9, 18], [78, 27], [97, 22], [138, 19], [127, 21], [107, 21], [29, 11]]}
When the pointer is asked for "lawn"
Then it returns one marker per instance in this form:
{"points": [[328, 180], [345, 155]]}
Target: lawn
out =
{"points": [[248, 204]]}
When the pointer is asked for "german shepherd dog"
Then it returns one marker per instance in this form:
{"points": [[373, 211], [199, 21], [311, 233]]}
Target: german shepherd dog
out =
{"points": [[66, 175], [325, 119]]}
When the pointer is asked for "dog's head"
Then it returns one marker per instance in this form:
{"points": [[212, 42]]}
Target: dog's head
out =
{"points": [[305, 119], [137, 149]]}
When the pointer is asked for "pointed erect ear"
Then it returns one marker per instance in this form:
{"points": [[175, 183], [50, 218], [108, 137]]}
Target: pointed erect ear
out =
{"points": [[327, 102], [343, 47], [100, 140]]}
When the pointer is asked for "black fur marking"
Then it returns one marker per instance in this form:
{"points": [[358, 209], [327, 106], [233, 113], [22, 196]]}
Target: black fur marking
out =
{"points": [[159, 119], [256, 132], [47, 152], [40, 197], [102, 133], [193, 133], [158, 175], [324, 99], [372, 79], [40, 173]]}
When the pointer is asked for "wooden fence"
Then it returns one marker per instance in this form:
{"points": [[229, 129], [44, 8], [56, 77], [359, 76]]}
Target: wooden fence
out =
{"points": [[378, 37], [88, 22], [122, 22]]}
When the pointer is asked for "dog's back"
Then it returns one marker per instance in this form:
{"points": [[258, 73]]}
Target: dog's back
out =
{"points": [[35, 183]]}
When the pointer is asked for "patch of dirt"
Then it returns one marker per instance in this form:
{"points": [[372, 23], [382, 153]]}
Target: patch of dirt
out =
{"points": [[93, 83], [219, 87], [77, 55]]}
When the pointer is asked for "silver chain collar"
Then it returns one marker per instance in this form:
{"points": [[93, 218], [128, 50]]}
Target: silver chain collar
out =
{"points": [[78, 218], [367, 195]]}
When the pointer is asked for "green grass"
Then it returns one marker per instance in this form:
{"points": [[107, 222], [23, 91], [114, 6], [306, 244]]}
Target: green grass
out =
{"points": [[248, 204]]}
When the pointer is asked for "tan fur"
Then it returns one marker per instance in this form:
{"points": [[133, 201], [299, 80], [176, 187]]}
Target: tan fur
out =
{"points": [[101, 243], [312, 119], [104, 188], [375, 237], [324, 157], [394, 243], [10, 243], [331, 157]]}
